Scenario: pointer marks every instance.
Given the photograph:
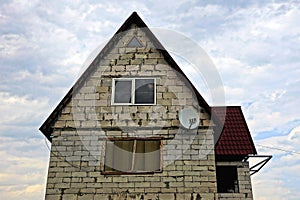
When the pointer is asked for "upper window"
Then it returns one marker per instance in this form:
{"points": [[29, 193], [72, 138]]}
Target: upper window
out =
{"points": [[134, 42], [128, 91], [132, 156], [227, 181]]}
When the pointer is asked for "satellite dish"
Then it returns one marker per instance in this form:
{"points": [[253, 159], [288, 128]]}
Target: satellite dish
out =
{"points": [[189, 118]]}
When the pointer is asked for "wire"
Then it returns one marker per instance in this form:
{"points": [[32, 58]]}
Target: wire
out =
{"points": [[47, 145], [280, 149], [60, 158]]}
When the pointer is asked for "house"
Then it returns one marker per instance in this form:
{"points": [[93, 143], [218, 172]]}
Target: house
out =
{"points": [[134, 127]]}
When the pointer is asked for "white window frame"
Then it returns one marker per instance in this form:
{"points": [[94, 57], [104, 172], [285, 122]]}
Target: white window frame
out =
{"points": [[132, 91]]}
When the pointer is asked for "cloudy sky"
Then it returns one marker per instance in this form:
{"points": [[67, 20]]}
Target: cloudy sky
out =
{"points": [[255, 45]]}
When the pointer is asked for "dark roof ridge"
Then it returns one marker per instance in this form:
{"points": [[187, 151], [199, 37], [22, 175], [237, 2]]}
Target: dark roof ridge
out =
{"points": [[231, 106]]}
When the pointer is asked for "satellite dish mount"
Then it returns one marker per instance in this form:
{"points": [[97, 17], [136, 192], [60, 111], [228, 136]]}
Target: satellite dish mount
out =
{"points": [[189, 118]]}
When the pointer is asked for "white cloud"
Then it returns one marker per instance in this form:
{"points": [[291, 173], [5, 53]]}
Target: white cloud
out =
{"points": [[278, 180], [255, 53], [22, 110], [287, 143], [23, 168], [11, 45]]}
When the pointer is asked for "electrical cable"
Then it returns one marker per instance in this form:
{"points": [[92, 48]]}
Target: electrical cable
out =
{"points": [[280, 149], [60, 158]]}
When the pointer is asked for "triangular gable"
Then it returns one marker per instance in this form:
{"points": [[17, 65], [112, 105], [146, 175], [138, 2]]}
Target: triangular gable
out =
{"points": [[235, 140], [46, 127]]}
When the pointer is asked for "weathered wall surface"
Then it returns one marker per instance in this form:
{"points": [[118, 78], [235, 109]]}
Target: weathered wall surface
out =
{"points": [[75, 173], [89, 119]]}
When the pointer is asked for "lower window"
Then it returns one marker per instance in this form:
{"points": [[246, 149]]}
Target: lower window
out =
{"points": [[132, 156], [227, 181]]}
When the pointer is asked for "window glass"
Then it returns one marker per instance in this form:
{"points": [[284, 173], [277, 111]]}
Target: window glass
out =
{"points": [[139, 162], [122, 91], [134, 43], [152, 155], [227, 181], [132, 156], [123, 155], [144, 91]]}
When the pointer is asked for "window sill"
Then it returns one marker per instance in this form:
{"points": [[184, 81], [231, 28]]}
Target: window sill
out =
{"points": [[132, 104], [128, 173]]}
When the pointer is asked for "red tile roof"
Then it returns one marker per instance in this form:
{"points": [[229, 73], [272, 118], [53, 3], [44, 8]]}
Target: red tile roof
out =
{"points": [[235, 138]]}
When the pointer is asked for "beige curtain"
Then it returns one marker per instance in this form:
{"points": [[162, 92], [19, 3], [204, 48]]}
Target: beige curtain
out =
{"points": [[132, 155]]}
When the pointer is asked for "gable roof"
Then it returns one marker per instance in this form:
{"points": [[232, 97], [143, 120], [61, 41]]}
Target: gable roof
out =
{"points": [[235, 139], [46, 127]]}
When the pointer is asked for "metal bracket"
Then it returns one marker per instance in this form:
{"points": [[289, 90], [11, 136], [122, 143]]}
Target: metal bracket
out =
{"points": [[258, 166]]}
